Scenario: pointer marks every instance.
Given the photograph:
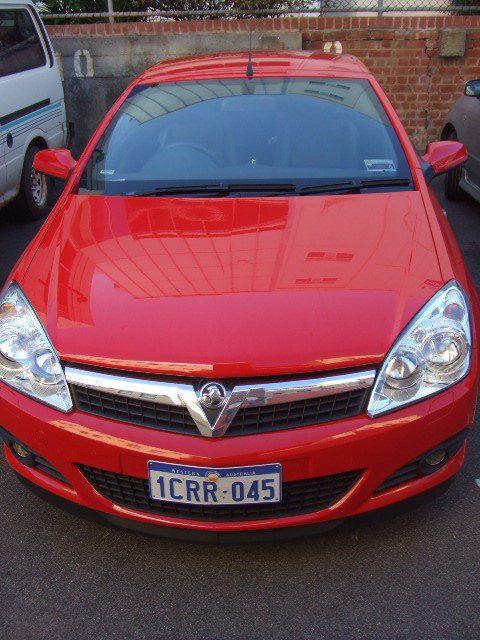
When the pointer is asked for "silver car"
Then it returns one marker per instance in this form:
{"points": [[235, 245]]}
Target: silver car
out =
{"points": [[463, 124]]}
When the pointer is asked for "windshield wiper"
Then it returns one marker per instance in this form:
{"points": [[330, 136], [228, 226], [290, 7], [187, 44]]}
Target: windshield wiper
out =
{"points": [[272, 189], [219, 189], [215, 189], [267, 187], [333, 187], [354, 186], [385, 182]]}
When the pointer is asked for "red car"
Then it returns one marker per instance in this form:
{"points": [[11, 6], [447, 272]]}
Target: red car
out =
{"points": [[247, 315]]}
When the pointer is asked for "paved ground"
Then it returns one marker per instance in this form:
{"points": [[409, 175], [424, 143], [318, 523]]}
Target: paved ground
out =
{"points": [[414, 576]]}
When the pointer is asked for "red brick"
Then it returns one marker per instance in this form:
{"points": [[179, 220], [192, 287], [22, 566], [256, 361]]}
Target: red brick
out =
{"points": [[303, 24], [400, 50]]}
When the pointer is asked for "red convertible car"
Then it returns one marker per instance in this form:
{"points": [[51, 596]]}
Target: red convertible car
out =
{"points": [[247, 315]]}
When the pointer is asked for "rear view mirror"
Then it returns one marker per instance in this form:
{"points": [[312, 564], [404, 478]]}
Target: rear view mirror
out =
{"points": [[57, 163], [472, 88], [440, 157]]}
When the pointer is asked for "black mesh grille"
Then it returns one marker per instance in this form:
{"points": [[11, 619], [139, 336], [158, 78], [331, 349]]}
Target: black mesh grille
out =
{"points": [[247, 421], [297, 414], [300, 496], [44, 465], [404, 474], [418, 468], [34, 460], [143, 412]]}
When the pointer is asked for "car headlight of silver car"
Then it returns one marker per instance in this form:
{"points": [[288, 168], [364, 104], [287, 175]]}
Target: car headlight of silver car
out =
{"points": [[432, 353], [28, 361]]}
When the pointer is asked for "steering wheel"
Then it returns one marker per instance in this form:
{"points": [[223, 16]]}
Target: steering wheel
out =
{"points": [[197, 147]]}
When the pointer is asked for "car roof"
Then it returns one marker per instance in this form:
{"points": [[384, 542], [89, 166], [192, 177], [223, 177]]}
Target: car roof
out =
{"points": [[17, 2], [265, 63]]}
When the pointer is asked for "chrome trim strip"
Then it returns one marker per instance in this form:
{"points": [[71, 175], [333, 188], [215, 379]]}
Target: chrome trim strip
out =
{"points": [[248, 395], [153, 390]]}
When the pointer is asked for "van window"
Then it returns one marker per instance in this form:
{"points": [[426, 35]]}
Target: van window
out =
{"points": [[20, 46]]}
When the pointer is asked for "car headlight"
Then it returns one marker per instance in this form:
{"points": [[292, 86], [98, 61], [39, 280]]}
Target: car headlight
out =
{"points": [[28, 361], [432, 353]]}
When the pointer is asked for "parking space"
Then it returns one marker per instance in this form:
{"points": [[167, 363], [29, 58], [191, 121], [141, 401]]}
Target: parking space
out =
{"points": [[412, 576]]}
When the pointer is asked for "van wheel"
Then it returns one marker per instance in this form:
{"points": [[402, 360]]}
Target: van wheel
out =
{"points": [[36, 189], [453, 191]]}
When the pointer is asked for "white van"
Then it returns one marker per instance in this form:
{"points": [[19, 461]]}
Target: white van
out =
{"points": [[32, 107]]}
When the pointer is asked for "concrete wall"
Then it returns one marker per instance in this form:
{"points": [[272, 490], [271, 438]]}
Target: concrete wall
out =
{"points": [[96, 69], [422, 62]]}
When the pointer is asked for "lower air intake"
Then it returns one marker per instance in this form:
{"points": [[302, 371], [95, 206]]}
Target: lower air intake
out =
{"points": [[299, 496], [418, 468]]}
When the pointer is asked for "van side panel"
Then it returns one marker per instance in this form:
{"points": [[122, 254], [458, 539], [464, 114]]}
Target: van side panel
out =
{"points": [[45, 120], [3, 169], [31, 107]]}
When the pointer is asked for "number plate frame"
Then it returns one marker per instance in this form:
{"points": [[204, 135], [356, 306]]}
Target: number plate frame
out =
{"points": [[220, 481]]}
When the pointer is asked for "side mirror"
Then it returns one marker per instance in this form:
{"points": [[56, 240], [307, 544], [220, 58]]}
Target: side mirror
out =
{"points": [[472, 88], [57, 163], [441, 157]]}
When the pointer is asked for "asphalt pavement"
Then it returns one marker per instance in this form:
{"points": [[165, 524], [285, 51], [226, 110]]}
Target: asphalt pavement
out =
{"points": [[411, 576]]}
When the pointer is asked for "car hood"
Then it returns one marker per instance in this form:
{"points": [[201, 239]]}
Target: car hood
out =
{"points": [[232, 286]]}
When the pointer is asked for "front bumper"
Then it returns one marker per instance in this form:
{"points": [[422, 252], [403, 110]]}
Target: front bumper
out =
{"points": [[378, 447]]}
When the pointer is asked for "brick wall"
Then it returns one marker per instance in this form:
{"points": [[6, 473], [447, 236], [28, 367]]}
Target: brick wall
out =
{"points": [[402, 51], [403, 54]]}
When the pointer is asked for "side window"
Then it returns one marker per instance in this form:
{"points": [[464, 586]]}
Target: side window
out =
{"points": [[20, 46]]}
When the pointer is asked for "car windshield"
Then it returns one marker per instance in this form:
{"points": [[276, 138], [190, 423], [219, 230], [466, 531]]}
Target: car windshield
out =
{"points": [[291, 132]]}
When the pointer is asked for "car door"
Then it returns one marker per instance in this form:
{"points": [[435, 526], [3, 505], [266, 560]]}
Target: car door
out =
{"points": [[472, 138]]}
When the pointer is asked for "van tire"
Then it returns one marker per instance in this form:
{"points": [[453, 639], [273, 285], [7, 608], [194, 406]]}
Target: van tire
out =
{"points": [[36, 189]]}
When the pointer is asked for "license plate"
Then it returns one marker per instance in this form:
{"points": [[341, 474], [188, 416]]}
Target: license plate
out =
{"points": [[213, 486]]}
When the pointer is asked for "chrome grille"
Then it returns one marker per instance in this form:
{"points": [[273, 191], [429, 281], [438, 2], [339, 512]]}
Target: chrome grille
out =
{"points": [[246, 421], [133, 411], [248, 408]]}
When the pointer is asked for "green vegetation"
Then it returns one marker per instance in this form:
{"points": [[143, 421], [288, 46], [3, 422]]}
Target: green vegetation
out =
{"points": [[233, 8]]}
